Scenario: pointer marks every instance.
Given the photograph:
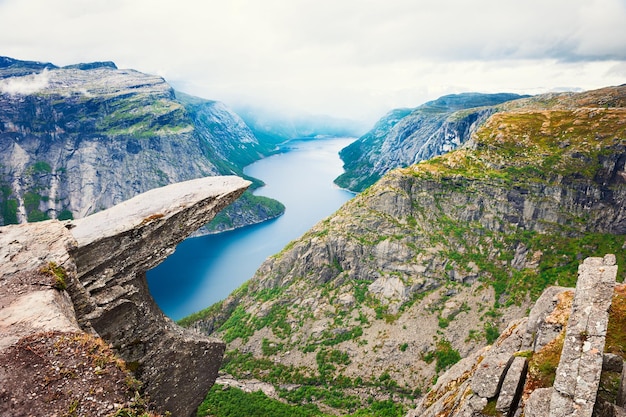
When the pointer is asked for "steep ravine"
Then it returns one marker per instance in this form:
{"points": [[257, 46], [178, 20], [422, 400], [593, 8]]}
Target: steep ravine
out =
{"points": [[430, 263]]}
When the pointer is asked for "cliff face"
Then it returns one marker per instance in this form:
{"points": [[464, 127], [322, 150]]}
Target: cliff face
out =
{"points": [[406, 136], [564, 359], [430, 263], [69, 284], [80, 139]]}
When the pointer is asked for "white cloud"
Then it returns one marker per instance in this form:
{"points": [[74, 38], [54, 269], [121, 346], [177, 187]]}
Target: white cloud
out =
{"points": [[356, 58], [25, 85]]}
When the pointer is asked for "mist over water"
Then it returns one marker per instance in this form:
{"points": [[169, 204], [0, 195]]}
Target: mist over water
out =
{"points": [[204, 270]]}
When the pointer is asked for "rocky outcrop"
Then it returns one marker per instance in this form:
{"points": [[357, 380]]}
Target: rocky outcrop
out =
{"points": [[101, 261], [500, 375], [80, 139], [578, 374], [406, 136]]}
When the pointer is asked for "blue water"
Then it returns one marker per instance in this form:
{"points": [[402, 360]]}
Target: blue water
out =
{"points": [[204, 270]]}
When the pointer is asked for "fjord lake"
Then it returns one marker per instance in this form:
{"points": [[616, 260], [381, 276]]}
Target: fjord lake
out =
{"points": [[205, 269]]}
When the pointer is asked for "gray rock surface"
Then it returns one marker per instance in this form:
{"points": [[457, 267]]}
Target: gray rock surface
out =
{"points": [[498, 373], [81, 139], [490, 373], [512, 386], [406, 136], [538, 403], [539, 319], [578, 374], [29, 303], [104, 258], [621, 393]]}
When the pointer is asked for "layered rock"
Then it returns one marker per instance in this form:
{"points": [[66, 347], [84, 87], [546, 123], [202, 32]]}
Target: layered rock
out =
{"points": [[101, 260]]}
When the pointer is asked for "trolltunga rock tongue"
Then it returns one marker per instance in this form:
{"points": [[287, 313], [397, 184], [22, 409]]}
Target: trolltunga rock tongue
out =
{"points": [[101, 262], [115, 249]]}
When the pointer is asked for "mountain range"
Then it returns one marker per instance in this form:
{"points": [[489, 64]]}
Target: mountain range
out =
{"points": [[407, 136], [431, 262]]}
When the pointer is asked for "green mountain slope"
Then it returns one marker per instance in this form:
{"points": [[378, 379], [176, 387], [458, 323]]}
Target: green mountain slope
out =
{"points": [[406, 136], [431, 262]]}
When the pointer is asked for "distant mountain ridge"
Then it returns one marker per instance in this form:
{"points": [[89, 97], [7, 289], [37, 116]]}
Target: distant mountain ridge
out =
{"points": [[406, 136], [78, 139]]}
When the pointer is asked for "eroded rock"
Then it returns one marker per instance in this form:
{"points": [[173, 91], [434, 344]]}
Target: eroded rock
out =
{"points": [[101, 260]]}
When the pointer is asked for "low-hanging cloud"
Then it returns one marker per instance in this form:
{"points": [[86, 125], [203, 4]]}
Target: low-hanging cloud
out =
{"points": [[28, 84]]}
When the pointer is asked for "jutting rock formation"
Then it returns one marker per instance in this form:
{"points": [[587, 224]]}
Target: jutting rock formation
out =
{"points": [[80, 280]]}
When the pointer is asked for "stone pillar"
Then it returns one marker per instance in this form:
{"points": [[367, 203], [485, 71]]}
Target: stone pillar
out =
{"points": [[578, 374]]}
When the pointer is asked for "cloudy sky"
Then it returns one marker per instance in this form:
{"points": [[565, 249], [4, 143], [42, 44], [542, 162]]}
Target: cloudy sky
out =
{"points": [[346, 58]]}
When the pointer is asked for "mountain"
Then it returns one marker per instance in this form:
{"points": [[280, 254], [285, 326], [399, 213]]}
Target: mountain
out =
{"points": [[407, 136], [430, 263], [82, 138]]}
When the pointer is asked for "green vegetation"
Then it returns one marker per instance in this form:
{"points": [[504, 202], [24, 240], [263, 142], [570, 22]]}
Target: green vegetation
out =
{"points": [[65, 215], [233, 402], [327, 386], [270, 348], [491, 332], [41, 167], [330, 339], [444, 354], [542, 365], [265, 207], [616, 328], [135, 116], [527, 147], [200, 315], [560, 256], [243, 325], [490, 408], [58, 274], [8, 206], [31, 204], [523, 160]]}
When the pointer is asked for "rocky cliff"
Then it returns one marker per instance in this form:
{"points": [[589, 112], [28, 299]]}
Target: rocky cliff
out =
{"points": [[406, 136], [429, 264], [564, 359], [80, 139], [73, 296]]}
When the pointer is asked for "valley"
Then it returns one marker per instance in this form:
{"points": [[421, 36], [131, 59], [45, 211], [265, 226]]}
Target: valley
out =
{"points": [[471, 208], [206, 269], [432, 261]]}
